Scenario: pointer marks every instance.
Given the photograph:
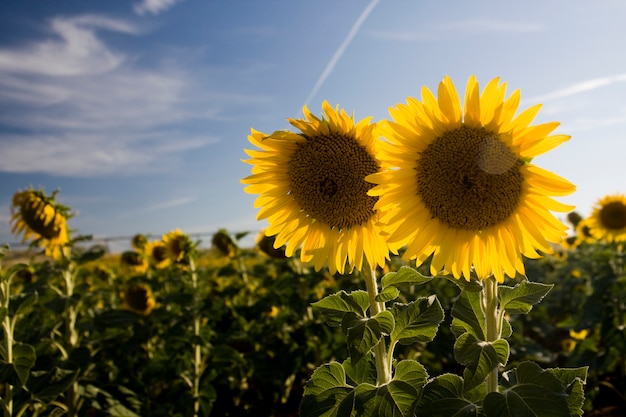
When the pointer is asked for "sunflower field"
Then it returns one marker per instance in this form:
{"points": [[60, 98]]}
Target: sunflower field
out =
{"points": [[420, 275]]}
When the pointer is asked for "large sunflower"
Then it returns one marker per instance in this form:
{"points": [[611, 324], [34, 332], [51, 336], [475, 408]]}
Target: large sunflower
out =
{"points": [[313, 191], [458, 183], [608, 219], [40, 218]]}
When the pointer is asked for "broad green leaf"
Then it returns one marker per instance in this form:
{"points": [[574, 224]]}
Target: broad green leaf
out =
{"points": [[362, 336], [14, 269], [417, 321], [21, 303], [468, 315], [23, 360], [363, 372], [46, 386], [335, 306], [386, 321], [479, 357], [521, 298], [397, 398], [326, 394], [93, 253], [116, 318], [404, 276], [388, 294], [574, 380], [411, 372], [443, 397], [529, 391]]}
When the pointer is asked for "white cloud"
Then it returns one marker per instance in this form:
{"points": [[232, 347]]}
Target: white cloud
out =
{"points": [[153, 6], [109, 117], [578, 88]]}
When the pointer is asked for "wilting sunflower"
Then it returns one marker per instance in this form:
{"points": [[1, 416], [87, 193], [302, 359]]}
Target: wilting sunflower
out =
{"points": [[223, 243], [41, 219], [313, 191], [138, 297], [608, 219], [458, 183], [178, 245], [157, 254]]}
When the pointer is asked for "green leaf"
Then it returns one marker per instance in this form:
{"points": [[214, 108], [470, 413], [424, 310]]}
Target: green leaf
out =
{"points": [[93, 253], [388, 294], [417, 321], [23, 360], [574, 380], [46, 386], [521, 298], [21, 303], [116, 318], [363, 335], [479, 357], [443, 397], [404, 276], [335, 306], [530, 391], [468, 315], [397, 398], [326, 394], [14, 269], [363, 372], [386, 321]]}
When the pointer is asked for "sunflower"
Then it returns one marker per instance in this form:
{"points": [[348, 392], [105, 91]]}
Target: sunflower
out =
{"points": [[458, 183], [139, 241], [313, 191], [178, 245], [223, 243], [139, 298], [133, 263], [265, 245], [157, 254], [41, 219], [608, 219]]}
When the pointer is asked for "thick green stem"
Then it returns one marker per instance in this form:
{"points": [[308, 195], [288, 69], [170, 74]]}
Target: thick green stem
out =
{"points": [[383, 368], [493, 325]]}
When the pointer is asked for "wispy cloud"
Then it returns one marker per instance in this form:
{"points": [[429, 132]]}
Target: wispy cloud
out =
{"points": [[456, 28], [579, 88], [153, 6], [341, 50], [72, 105]]}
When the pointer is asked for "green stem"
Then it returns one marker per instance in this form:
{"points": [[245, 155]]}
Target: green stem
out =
{"points": [[197, 357], [7, 326], [492, 317], [383, 367], [72, 397]]}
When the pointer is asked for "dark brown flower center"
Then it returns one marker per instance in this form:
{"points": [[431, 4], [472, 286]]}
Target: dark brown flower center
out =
{"points": [[327, 177], [613, 215], [469, 179]]}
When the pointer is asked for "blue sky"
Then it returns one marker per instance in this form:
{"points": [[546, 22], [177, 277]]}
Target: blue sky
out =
{"points": [[139, 111]]}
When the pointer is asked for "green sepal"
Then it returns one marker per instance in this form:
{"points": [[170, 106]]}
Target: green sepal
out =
{"points": [[335, 306], [479, 357], [417, 321], [443, 397], [405, 276], [521, 298]]}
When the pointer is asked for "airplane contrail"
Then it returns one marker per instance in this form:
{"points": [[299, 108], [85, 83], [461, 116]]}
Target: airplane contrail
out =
{"points": [[340, 51], [578, 88]]}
